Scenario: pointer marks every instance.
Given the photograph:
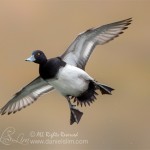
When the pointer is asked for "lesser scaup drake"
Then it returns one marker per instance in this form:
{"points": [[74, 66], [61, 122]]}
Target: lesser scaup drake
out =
{"points": [[66, 73]]}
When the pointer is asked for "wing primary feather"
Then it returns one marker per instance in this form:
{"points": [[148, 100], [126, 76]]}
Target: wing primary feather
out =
{"points": [[26, 96], [82, 47]]}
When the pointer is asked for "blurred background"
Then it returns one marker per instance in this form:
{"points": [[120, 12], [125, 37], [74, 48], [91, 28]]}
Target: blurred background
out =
{"points": [[117, 122]]}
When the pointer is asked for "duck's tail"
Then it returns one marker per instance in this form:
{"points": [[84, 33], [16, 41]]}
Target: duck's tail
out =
{"points": [[89, 95], [104, 88]]}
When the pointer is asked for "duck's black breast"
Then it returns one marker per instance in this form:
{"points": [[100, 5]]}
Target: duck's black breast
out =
{"points": [[50, 69]]}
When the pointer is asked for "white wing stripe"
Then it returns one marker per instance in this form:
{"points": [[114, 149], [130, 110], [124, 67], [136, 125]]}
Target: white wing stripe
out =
{"points": [[21, 104], [88, 49], [24, 103], [12, 107]]}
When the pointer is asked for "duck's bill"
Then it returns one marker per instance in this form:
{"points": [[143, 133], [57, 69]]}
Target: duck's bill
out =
{"points": [[31, 58]]}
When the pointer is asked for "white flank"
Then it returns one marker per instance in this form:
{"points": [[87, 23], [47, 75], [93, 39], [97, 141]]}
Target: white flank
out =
{"points": [[71, 81]]}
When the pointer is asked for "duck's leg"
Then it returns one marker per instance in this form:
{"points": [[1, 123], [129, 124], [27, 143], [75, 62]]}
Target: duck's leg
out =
{"points": [[75, 113]]}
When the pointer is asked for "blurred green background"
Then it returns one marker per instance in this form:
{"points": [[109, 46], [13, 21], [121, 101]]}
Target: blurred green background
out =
{"points": [[117, 122]]}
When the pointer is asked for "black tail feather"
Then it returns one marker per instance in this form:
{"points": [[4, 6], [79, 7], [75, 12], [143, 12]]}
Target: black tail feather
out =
{"points": [[75, 116], [104, 89], [89, 96]]}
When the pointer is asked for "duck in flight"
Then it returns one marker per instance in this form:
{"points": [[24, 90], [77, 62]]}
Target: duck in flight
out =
{"points": [[67, 73]]}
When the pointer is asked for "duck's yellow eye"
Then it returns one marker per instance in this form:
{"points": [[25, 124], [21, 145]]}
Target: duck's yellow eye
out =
{"points": [[38, 54]]}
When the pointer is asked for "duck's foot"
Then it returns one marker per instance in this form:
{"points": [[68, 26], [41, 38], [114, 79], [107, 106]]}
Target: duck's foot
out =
{"points": [[75, 115]]}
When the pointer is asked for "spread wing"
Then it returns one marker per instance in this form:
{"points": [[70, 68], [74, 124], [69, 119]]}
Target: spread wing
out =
{"points": [[26, 96], [80, 50]]}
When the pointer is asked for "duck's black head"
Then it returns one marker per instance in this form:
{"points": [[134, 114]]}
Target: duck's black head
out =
{"points": [[37, 57]]}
